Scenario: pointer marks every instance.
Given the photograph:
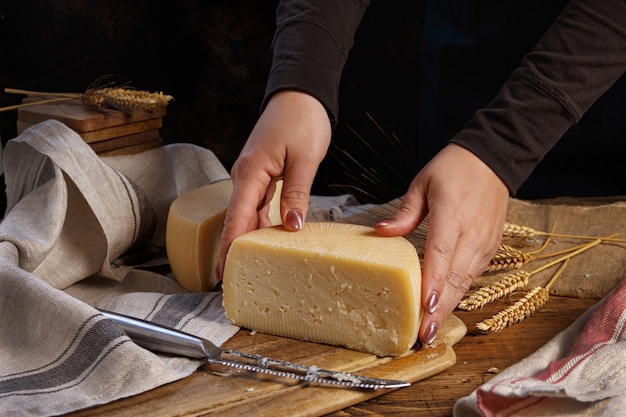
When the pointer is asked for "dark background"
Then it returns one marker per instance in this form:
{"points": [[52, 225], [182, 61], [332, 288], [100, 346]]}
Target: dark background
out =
{"points": [[214, 57]]}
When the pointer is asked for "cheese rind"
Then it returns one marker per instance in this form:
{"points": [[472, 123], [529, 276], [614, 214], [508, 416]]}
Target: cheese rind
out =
{"points": [[332, 283], [193, 231]]}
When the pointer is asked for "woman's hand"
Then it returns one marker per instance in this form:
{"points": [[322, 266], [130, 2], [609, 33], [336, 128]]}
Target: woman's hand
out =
{"points": [[288, 142], [466, 203]]}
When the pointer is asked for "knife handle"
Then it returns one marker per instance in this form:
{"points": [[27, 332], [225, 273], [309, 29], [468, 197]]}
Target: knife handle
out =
{"points": [[163, 339], [167, 340]]}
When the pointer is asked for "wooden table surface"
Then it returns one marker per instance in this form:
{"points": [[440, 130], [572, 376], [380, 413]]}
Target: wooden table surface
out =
{"points": [[478, 357]]}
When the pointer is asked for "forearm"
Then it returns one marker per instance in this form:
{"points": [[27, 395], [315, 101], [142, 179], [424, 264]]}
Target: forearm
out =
{"points": [[577, 60], [311, 46]]}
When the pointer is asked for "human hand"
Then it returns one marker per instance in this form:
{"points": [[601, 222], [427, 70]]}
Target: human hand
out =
{"points": [[289, 141], [466, 203]]}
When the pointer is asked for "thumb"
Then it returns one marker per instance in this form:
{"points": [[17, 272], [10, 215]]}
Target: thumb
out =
{"points": [[407, 217]]}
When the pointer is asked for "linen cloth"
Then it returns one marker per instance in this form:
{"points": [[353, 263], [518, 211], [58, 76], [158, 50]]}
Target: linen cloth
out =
{"points": [[580, 372], [76, 231], [592, 274]]}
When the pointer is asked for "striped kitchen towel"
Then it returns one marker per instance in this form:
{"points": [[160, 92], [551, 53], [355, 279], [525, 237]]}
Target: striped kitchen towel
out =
{"points": [[580, 372], [73, 226]]}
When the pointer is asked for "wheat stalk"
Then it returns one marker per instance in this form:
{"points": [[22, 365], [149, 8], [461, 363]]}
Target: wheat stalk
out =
{"points": [[485, 295], [57, 98], [525, 232], [507, 283], [533, 300], [35, 103], [511, 282], [41, 93], [507, 258], [124, 99], [517, 312]]}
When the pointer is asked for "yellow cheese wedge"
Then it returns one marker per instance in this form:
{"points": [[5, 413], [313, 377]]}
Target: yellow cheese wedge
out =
{"points": [[192, 236], [332, 283], [274, 211]]}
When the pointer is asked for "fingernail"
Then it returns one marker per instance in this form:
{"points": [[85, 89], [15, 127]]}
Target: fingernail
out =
{"points": [[433, 300], [431, 333], [382, 223], [294, 220]]}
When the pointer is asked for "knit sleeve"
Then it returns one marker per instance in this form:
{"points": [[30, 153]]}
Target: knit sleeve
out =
{"points": [[311, 46], [576, 61]]}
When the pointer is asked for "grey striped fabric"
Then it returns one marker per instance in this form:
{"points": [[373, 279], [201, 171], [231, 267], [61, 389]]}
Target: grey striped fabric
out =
{"points": [[80, 233]]}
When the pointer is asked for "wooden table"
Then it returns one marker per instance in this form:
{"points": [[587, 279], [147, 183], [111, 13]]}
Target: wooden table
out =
{"points": [[478, 358]]}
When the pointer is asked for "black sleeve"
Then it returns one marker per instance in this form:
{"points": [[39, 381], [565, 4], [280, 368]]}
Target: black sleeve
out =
{"points": [[311, 45], [578, 59]]}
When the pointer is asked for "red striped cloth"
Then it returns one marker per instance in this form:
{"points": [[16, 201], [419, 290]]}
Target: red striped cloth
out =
{"points": [[581, 372]]}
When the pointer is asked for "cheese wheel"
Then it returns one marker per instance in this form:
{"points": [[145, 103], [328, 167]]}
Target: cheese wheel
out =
{"points": [[193, 231], [274, 210], [332, 283]]}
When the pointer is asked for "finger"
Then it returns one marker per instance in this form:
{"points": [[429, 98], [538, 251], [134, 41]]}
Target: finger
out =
{"points": [[443, 297], [408, 216], [439, 251], [464, 269], [447, 278], [263, 209], [294, 200], [241, 214]]}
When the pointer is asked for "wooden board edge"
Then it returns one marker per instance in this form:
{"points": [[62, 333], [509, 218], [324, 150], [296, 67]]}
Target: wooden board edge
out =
{"points": [[318, 401], [152, 144]]}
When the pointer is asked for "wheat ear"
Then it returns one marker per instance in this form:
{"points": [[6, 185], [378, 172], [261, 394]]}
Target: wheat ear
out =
{"points": [[507, 258], [125, 99], [485, 295], [519, 311]]}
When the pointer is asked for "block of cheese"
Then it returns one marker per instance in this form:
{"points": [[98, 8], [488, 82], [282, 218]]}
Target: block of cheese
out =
{"points": [[193, 231], [274, 211], [332, 283], [194, 227]]}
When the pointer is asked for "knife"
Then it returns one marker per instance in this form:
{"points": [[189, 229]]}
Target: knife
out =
{"points": [[164, 339]]}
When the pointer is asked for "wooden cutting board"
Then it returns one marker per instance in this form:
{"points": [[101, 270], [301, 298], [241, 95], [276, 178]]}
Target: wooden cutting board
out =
{"points": [[220, 391], [107, 131], [80, 118]]}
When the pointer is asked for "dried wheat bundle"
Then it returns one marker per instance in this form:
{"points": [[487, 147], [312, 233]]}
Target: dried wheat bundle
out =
{"points": [[536, 298], [519, 279], [507, 258], [515, 313], [508, 283], [120, 98], [124, 99], [504, 286]]}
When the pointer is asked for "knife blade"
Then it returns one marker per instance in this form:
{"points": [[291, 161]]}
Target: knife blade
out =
{"points": [[159, 338]]}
